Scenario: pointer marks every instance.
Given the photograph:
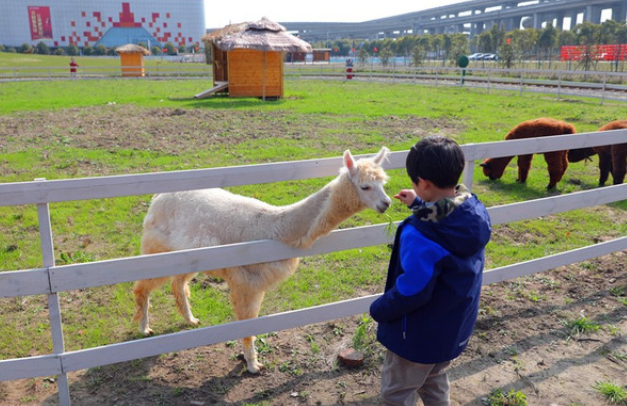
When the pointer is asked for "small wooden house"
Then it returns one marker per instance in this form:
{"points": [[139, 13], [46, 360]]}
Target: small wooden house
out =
{"points": [[318, 55], [132, 59], [247, 58]]}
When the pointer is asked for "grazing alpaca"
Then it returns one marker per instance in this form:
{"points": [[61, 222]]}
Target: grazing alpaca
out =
{"points": [[209, 217], [612, 158], [556, 160]]}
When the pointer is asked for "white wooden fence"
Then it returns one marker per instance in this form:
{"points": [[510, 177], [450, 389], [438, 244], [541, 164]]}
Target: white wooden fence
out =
{"points": [[51, 279]]}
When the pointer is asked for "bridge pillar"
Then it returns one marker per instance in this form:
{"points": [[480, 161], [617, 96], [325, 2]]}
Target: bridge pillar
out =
{"points": [[592, 14], [619, 12], [559, 20], [573, 19]]}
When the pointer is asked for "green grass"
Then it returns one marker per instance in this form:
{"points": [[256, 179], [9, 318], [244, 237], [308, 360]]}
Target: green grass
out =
{"points": [[612, 392], [315, 119]]}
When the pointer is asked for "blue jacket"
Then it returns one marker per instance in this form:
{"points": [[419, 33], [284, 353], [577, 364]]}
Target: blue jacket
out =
{"points": [[431, 300]]}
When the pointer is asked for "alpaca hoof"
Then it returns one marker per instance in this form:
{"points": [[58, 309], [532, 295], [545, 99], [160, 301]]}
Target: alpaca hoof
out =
{"points": [[254, 367], [147, 331], [194, 321]]}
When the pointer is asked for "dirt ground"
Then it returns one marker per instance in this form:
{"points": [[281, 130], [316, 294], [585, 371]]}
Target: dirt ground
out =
{"points": [[522, 340]]}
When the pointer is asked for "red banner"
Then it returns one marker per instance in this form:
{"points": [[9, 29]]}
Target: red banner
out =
{"points": [[40, 23]]}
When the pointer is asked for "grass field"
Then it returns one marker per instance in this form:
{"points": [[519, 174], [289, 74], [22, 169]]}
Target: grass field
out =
{"points": [[74, 129]]}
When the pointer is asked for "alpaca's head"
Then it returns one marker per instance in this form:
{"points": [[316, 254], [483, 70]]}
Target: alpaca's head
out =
{"points": [[579, 154], [368, 177], [494, 168]]}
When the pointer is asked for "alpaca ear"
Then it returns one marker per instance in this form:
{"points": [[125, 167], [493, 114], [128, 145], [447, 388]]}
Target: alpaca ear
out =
{"points": [[383, 153], [349, 162], [484, 165]]}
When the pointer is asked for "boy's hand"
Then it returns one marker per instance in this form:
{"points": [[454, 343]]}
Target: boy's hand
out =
{"points": [[406, 196]]}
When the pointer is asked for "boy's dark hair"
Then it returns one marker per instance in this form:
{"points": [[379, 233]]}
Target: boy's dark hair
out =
{"points": [[437, 159]]}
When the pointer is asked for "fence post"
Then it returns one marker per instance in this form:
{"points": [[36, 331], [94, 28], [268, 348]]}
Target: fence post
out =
{"points": [[603, 91], [521, 82], [559, 85], [54, 309], [467, 176]]}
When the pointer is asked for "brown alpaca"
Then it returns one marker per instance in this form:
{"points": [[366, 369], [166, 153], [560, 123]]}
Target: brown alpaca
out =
{"points": [[557, 161], [612, 158]]}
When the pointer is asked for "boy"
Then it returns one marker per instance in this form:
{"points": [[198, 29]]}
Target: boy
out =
{"points": [[431, 299]]}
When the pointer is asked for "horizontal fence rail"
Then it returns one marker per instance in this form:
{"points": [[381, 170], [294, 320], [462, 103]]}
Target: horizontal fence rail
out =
{"points": [[51, 279], [601, 84]]}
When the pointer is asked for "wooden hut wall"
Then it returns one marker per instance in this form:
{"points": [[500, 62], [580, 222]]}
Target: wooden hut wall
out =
{"points": [[320, 55], [247, 75], [219, 58], [132, 64]]}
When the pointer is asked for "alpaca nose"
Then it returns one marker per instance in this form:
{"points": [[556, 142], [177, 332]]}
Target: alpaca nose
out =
{"points": [[384, 205]]}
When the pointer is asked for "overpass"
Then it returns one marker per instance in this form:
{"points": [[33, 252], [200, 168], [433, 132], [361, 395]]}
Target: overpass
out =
{"points": [[470, 17]]}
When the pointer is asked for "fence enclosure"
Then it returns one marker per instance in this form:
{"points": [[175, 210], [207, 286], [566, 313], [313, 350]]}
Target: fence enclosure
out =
{"points": [[51, 279]]}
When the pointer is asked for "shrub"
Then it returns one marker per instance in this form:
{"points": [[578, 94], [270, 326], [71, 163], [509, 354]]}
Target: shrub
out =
{"points": [[512, 398], [11, 50], [1, 48], [42, 48], [26, 48], [72, 50], [100, 50], [612, 392], [88, 50], [155, 50], [170, 49], [59, 52]]}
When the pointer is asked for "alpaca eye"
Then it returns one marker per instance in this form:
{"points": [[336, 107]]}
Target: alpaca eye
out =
{"points": [[365, 188]]}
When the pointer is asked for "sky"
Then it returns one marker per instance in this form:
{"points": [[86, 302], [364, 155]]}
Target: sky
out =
{"points": [[219, 13]]}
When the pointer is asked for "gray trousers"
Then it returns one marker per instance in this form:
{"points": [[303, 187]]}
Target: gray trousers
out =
{"points": [[403, 381]]}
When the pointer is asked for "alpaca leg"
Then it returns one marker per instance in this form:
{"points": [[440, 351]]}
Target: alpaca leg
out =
{"points": [[180, 289], [524, 163], [142, 291], [619, 163], [605, 167], [557, 163], [246, 303]]}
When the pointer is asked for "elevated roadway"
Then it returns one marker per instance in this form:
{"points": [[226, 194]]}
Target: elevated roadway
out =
{"points": [[470, 17]]}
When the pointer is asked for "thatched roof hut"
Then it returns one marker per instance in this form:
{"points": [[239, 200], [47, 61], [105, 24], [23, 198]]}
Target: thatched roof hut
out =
{"points": [[247, 58], [132, 49], [132, 59]]}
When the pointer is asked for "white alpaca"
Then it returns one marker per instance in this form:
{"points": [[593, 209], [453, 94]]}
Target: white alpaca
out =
{"points": [[209, 217]]}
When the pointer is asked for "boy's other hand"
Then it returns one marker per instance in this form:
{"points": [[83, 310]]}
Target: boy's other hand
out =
{"points": [[406, 196]]}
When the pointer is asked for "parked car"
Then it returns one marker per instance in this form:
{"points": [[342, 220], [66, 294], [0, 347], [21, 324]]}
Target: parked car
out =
{"points": [[475, 57], [490, 57]]}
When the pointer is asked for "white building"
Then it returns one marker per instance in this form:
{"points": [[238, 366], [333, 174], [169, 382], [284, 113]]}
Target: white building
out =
{"points": [[59, 23]]}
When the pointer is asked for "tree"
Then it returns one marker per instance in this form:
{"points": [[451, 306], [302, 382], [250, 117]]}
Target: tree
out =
{"points": [[418, 55], [72, 50], [621, 40], [459, 47], [155, 50], [507, 54], [59, 52], [588, 36], [88, 50], [42, 48], [547, 40], [26, 48], [523, 42], [363, 55], [170, 49], [385, 55], [100, 50], [181, 49], [497, 35]]}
